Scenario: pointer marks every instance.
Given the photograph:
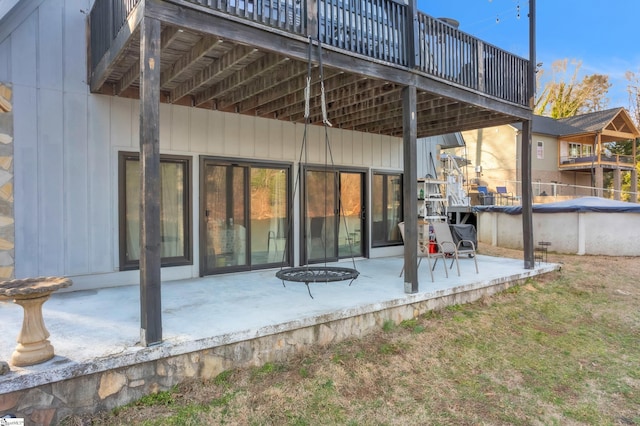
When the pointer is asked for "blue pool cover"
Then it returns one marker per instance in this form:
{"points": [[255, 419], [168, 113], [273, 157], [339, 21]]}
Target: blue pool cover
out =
{"points": [[582, 204]]}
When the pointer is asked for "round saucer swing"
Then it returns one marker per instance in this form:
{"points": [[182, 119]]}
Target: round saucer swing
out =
{"points": [[316, 273]]}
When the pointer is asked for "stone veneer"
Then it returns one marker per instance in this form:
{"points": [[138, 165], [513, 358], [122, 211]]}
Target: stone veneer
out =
{"points": [[7, 230], [91, 391]]}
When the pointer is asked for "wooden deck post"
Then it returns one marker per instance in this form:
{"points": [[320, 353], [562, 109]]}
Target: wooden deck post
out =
{"points": [[410, 187], [599, 184], [617, 183], [527, 130], [150, 286], [527, 199], [412, 38], [634, 174], [312, 19]]}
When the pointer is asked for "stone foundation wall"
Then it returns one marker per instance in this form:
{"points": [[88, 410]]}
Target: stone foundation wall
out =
{"points": [[49, 404]]}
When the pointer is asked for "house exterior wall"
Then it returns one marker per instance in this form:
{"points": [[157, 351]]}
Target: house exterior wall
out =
{"points": [[67, 142], [494, 149], [498, 151], [7, 229]]}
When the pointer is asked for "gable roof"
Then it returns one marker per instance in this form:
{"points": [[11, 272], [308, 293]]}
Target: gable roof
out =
{"points": [[614, 122], [550, 126], [592, 121]]}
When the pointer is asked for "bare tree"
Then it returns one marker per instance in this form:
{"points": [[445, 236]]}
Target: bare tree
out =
{"points": [[560, 98], [633, 88]]}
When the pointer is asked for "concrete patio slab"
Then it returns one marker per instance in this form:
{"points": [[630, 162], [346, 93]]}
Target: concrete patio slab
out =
{"points": [[216, 323]]}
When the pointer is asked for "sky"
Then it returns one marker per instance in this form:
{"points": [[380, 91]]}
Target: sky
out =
{"points": [[599, 33], [603, 34]]}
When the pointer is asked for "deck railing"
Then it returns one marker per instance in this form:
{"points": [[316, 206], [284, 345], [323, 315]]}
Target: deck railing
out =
{"points": [[106, 19], [378, 29], [590, 160]]}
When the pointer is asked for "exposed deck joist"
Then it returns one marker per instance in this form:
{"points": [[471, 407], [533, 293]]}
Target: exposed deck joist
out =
{"points": [[215, 61]]}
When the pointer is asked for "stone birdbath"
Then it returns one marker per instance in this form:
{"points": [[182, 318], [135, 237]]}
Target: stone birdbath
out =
{"points": [[31, 293]]}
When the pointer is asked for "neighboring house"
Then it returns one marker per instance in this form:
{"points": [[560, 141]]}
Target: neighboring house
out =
{"points": [[220, 105], [569, 156]]}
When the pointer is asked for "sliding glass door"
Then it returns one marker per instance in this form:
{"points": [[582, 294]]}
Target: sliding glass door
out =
{"points": [[334, 215], [244, 215]]}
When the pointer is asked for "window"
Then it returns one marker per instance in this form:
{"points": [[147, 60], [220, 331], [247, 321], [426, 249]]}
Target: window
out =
{"points": [[386, 201], [587, 150], [175, 210], [540, 150], [574, 150]]}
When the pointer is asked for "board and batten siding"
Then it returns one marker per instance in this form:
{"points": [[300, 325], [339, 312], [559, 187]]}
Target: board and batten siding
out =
{"points": [[67, 141]]}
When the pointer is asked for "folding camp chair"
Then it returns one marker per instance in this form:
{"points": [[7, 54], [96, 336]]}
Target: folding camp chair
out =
{"points": [[449, 248], [503, 194], [423, 251]]}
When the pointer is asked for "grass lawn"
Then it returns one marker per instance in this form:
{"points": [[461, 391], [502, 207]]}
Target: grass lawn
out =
{"points": [[561, 349]]}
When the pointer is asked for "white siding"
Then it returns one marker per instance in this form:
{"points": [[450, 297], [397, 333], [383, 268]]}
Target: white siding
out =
{"points": [[5, 64], [101, 194], [26, 202], [50, 37], [74, 54], [76, 184], [22, 63], [50, 169], [67, 143]]}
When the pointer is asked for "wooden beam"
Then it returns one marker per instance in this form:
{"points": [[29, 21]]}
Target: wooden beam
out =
{"points": [[337, 87], [410, 188], [251, 81], [228, 64], [229, 69], [133, 73], [296, 47], [621, 136], [99, 75], [150, 254], [198, 51]]}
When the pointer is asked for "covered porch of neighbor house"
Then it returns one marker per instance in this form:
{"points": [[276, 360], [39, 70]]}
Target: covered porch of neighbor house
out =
{"points": [[592, 151]]}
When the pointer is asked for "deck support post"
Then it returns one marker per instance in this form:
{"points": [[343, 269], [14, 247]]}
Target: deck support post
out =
{"points": [[527, 199], [410, 187], [312, 18], [617, 183], [412, 38], [150, 253], [634, 173], [599, 181], [527, 130]]}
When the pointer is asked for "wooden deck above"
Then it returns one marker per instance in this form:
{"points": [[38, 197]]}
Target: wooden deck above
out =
{"points": [[252, 57]]}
